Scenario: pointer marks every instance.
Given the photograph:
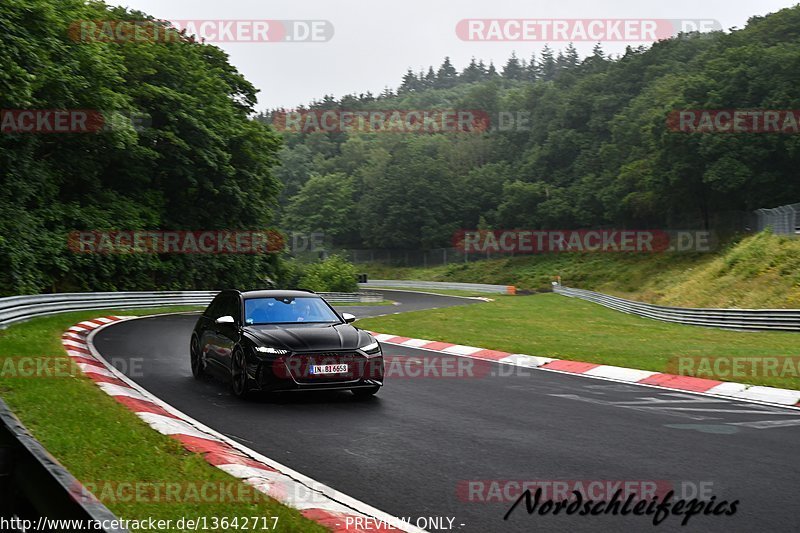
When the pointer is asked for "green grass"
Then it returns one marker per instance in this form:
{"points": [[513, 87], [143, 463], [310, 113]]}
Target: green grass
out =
{"points": [[760, 271], [550, 325], [99, 440]]}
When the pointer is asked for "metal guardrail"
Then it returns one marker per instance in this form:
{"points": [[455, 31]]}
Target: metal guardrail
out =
{"points": [[739, 319], [18, 308], [412, 284], [364, 297], [33, 484]]}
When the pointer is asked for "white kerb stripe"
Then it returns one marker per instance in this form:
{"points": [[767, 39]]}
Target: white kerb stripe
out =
{"points": [[116, 390], [727, 388], [246, 472], [92, 369], [285, 489], [462, 350], [620, 373], [70, 342], [172, 426], [415, 343], [529, 361], [769, 394]]}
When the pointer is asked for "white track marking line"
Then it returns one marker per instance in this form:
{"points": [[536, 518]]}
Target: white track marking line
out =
{"points": [[408, 344]]}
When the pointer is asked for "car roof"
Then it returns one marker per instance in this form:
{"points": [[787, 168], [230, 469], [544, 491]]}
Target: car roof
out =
{"points": [[278, 294]]}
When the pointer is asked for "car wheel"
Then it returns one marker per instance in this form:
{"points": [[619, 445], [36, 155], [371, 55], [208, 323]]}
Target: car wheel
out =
{"points": [[198, 365], [365, 392], [239, 375]]}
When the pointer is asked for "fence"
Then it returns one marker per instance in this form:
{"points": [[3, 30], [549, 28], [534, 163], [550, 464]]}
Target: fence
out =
{"points": [[33, 484], [411, 284], [18, 308], [784, 220], [418, 258], [739, 319]]}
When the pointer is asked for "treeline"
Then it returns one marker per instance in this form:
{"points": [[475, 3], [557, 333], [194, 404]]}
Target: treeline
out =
{"points": [[597, 150], [199, 163]]}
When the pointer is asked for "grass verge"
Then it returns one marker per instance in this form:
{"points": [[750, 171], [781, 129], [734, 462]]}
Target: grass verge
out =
{"points": [[99, 440], [550, 325], [759, 271]]}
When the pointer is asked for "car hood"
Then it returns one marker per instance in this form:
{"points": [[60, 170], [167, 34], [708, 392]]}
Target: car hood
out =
{"points": [[310, 337]]}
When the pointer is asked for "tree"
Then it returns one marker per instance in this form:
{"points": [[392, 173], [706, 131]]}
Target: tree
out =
{"points": [[513, 70], [334, 274], [446, 76], [547, 64], [199, 150], [598, 149], [410, 83], [533, 70], [473, 72], [570, 59], [430, 78], [325, 203]]}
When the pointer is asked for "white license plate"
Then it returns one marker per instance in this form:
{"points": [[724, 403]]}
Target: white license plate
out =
{"points": [[329, 369]]}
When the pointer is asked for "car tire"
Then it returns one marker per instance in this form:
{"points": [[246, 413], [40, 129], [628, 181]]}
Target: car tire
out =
{"points": [[198, 366], [366, 392], [239, 380]]}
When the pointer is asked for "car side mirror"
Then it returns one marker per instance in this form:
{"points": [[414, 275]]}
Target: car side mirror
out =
{"points": [[348, 317], [227, 319]]}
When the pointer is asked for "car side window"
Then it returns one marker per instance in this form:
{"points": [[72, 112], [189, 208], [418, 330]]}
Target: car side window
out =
{"points": [[214, 307], [233, 307], [229, 306]]}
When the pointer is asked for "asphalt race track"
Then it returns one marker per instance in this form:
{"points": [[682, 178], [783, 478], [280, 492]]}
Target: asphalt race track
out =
{"points": [[413, 450]]}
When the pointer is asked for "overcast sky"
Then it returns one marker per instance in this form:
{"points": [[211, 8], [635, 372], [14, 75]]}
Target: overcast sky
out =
{"points": [[375, 41]]}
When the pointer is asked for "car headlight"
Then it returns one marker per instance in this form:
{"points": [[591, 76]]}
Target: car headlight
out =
{"points": [[371, 349], [270, 349]]}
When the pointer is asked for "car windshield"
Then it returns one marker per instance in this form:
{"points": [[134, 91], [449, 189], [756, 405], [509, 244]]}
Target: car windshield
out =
{"points": [[287, 311]]}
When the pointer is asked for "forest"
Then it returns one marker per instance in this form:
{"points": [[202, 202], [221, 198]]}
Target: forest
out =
{"points": [[183, 147], [178, 150], [590, 144]]}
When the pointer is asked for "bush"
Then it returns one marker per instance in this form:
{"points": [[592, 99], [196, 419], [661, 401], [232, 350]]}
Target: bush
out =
{"points": [[334, 274]]}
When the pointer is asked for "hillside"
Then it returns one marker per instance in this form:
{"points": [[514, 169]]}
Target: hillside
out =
{"points": [[760, 271], [592, 144]]}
